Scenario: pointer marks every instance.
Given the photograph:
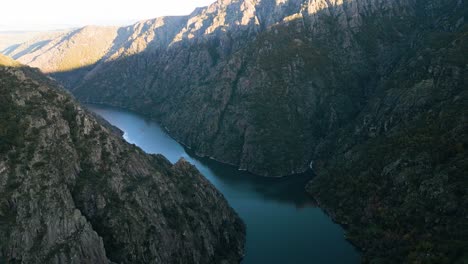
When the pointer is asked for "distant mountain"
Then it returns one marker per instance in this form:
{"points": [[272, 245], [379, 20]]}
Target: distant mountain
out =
{"points": [[64, 51], [73, 191], [370, 94], [7, 39], [209, 49]]}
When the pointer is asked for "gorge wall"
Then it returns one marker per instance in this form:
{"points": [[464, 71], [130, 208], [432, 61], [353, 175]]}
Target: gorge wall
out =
{"points": [[369, 93], [73, 191]]}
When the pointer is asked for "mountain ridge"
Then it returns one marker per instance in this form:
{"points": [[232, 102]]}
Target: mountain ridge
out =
{"points": [[359, 90], [73, 191]]}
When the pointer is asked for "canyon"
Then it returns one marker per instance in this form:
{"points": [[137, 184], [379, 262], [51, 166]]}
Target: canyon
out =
{"points": [[369, 93]]}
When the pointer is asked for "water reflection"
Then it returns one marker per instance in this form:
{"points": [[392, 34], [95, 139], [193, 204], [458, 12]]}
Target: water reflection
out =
{"points": [[276, 189], [283, 225]]}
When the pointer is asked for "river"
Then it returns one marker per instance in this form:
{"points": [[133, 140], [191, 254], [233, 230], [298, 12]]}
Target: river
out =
{"points": [[283, 225]]}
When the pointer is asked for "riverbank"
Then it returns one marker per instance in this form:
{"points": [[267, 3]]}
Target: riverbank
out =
{"points": [[283, 223]]}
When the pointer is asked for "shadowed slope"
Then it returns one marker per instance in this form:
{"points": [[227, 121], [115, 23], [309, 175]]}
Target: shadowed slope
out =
{"points": [[369, 93], [72, 191]]}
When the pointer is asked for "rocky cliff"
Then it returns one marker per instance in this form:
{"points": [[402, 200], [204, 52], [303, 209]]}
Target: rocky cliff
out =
{"points": [[259, 84], [209, 77], [397, 175], [370, 94], [72, 191]]}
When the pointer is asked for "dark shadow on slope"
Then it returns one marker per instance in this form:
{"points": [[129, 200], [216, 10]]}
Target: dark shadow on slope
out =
{"points": [[388, 59], [287, 190], [209, 74], [276, 189], [10, 49], [191, 74], [30, 49]]}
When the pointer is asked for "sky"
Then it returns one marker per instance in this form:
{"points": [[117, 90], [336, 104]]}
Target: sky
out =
{"points": [[32, 15]]}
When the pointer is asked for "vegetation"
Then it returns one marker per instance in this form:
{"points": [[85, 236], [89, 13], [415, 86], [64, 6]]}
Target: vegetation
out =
{"points": [[401, 186], [122, 200], [375, 96], [6, 61], [11, 123]]}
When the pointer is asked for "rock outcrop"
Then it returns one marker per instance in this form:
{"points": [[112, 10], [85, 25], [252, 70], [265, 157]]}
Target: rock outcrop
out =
{"points": [[73, 191], [397, 175], [263, 94], [372, 93]]}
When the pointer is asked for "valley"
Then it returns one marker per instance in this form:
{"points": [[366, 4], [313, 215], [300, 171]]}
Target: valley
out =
{"points": [[372, 93], [73, 191], [277, 212]]}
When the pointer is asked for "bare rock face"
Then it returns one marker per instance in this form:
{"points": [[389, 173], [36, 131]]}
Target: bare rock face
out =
{"points": [[72, 191], [259, 84], [65, 51], [396, 176], [371, 92]]}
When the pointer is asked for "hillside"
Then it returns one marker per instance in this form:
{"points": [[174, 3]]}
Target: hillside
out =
{"points": [[7, 61], [72, 191], [397, 175], [206, 61], [261, 87], [370, 94], [7, 39], [65, 51]]}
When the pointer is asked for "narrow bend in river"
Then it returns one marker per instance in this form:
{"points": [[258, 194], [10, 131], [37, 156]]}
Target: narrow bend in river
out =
{"points": [[283, 226]]}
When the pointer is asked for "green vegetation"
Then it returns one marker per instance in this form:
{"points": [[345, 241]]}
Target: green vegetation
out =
{"points": [[11, 122], [375, 96], [401, 186]]}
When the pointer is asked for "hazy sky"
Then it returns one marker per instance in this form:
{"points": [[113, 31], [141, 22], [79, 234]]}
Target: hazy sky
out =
{"points": [[56, 14]]}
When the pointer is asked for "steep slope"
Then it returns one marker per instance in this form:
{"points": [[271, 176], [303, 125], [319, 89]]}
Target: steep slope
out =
{"points": [[262, 94], [65, 51], [155, 44], [13, 38], [7, 61], [397, 175], [371, 94], [19, 49], [159, 65], [71, 191]]}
